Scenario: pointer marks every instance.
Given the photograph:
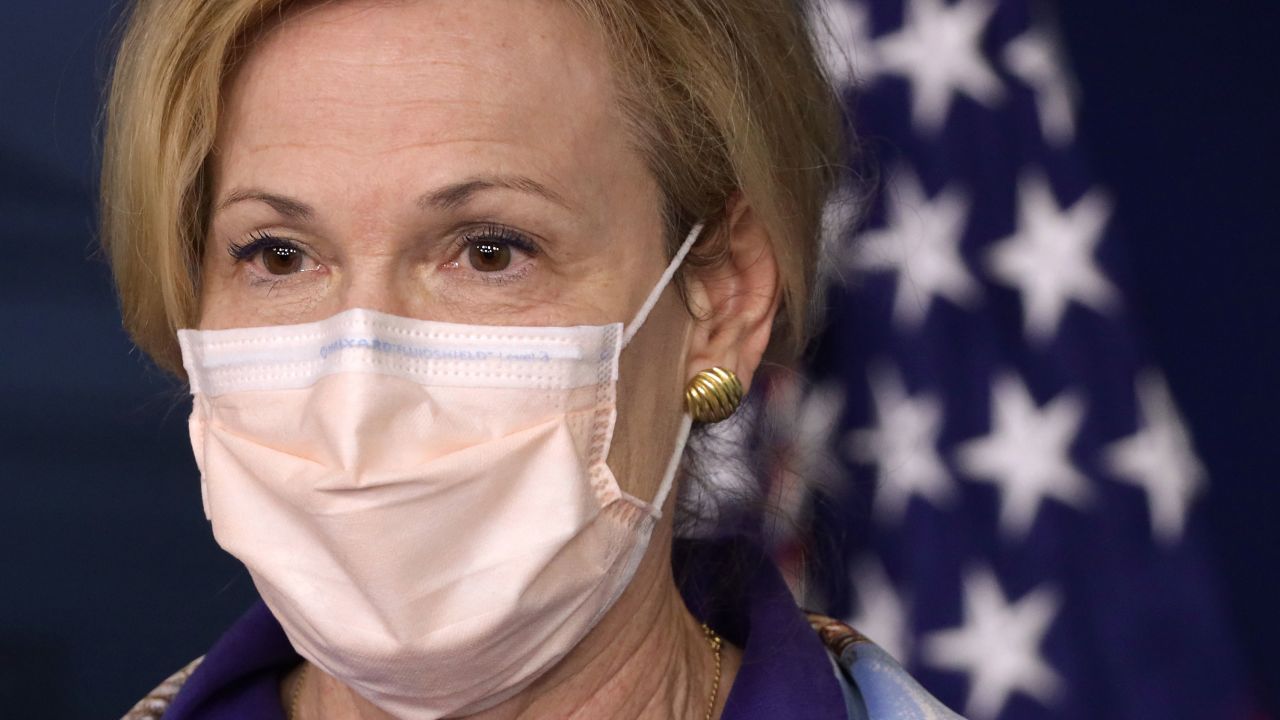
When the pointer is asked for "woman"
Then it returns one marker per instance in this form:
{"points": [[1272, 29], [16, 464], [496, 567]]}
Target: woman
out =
{"points": [[451, 280]]}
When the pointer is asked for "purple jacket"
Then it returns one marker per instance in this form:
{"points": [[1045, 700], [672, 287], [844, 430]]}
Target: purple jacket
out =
{"points": [[787, 670]]}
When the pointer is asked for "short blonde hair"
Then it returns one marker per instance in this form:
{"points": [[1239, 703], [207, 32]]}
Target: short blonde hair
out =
{"points": [[723, 97]]}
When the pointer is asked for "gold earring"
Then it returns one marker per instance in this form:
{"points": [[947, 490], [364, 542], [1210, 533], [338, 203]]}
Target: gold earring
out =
{"points": [[713, 395]]}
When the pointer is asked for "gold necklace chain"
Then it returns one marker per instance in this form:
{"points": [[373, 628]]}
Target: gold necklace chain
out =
{"points": [[716, 645], [714, 640], [297, 691]]}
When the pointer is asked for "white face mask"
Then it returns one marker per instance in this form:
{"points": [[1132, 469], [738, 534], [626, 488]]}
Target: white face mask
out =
{"points": [[424, 506]]}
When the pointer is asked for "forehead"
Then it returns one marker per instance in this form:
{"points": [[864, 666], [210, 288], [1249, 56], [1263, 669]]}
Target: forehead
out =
{"points": [[437, 87]]}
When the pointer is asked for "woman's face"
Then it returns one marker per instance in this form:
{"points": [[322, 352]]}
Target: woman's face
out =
{"points": [[454, 160]]}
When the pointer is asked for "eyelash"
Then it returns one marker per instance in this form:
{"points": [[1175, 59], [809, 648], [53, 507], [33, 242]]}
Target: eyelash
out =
{"points": [[256, 243], [488, 232], [491, 232]]}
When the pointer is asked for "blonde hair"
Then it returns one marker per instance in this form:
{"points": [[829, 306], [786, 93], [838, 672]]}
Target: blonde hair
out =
{"points": [[723, 97]]}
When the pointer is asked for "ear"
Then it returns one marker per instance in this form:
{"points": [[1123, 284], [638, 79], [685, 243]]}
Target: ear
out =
{"points": [[734, 302]]}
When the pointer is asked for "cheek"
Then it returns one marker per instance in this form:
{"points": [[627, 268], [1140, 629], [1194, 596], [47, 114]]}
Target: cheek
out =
{"points": [[216, 309], [650, 398], [228, 299]]}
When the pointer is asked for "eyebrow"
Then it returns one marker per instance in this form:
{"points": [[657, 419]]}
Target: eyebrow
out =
{"points": [[449, 197], [284, 205]]}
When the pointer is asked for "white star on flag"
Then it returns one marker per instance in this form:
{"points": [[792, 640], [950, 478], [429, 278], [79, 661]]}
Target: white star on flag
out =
{"points": [[922, 244], [881, 614], [1050, 258], [998, 646], [1027, 455], [903, 447], [842, 31], [1159, 459], [939, 49], [1033, 58]]}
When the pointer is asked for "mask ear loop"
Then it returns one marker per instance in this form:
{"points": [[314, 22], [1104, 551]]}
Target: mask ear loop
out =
{"points": [[634, 326], [673, 466], [686, 422]]}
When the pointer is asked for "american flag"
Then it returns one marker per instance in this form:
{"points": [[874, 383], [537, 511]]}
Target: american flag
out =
{"points": [[988, 474]]}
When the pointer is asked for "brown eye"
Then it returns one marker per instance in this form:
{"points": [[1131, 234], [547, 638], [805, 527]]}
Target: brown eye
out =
{"points": [[281, 260], [488, 256]]}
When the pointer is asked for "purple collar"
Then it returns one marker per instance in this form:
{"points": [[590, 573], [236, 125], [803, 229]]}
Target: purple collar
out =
{"points": [[785, 670]]}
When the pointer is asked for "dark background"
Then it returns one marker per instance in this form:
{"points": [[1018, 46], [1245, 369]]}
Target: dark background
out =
{"points": [[109, 579], [1180, 118]]}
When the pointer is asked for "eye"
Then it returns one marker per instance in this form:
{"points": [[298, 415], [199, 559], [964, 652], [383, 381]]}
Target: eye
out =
{"points": [[495, 251], [276, 256], [281, 260], [488, 256]]}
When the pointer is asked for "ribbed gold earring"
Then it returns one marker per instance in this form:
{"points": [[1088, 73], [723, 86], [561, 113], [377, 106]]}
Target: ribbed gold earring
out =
{"points": [[713, 395]]}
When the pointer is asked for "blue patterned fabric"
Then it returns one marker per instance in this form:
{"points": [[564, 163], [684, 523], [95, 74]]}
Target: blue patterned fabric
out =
{"points": [[877, 688]]}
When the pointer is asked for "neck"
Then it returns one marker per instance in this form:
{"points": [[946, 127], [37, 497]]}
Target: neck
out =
{"points": [[647, 659]]}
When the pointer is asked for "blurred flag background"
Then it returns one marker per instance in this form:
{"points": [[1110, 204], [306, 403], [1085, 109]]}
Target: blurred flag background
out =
{"points": [[984, 447], [1033, 453]]}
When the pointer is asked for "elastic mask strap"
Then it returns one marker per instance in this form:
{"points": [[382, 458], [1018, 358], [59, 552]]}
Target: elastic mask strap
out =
{"points": [[673, 465], [634, 326]]}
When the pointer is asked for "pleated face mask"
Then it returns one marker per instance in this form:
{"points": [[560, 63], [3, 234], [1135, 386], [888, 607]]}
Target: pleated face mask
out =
{"points": [[424, 506]]}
